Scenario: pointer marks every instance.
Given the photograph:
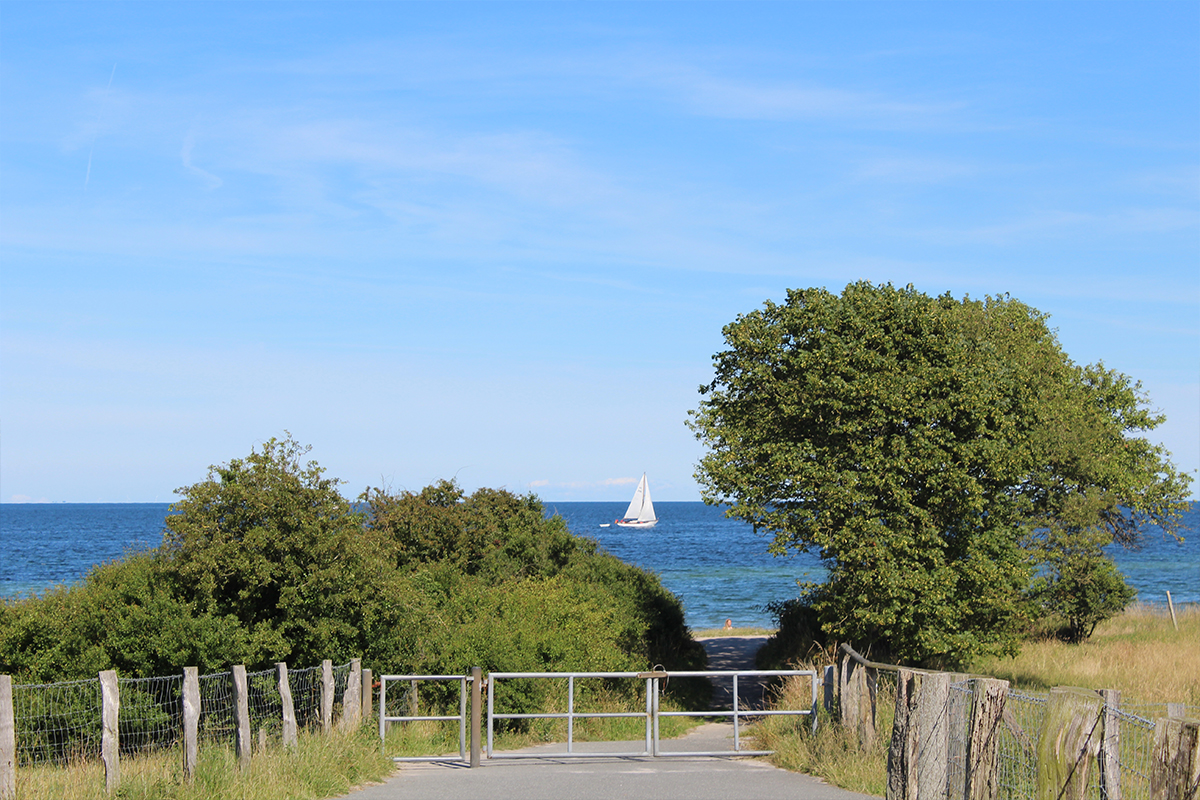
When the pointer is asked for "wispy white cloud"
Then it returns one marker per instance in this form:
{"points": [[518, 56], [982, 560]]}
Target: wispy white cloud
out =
{"points": [[210, 181]]}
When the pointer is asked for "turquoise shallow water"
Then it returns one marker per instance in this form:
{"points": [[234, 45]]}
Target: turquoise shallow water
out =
{"points": [[718, 567]]}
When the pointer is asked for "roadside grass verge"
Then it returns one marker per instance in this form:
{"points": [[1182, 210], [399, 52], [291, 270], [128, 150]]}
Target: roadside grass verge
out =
{"points": [[833, 752], [318, 767]]}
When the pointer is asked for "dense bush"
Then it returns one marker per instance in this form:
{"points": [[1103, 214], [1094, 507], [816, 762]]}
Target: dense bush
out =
{"points": [[265, 561]]}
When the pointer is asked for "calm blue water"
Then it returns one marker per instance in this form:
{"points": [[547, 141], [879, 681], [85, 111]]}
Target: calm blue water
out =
{"points": [[718, 567]]}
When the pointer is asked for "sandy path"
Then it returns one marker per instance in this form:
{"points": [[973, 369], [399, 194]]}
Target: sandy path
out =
{"points": [[734, 653]]}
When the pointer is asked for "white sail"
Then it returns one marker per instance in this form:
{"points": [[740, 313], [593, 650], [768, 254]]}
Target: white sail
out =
{"points": [[647, 512], [641, 508]]}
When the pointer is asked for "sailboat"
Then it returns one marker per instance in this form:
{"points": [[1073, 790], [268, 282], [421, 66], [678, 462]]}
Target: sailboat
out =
{"points": [[640, 513]]}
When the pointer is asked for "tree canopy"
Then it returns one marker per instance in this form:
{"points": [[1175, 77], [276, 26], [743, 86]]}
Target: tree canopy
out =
{"points": [[934, 452]]}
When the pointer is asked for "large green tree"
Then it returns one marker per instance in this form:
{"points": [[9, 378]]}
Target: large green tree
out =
{"points": [[925, 447]]}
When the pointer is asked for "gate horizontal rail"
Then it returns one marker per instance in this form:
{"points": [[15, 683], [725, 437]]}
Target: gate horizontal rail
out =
{"points": [[412, 680], [736, 712], [652, 714]]}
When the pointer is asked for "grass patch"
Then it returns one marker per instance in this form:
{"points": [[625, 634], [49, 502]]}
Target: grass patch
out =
{"points": [[1138, 652], [318, 767]]}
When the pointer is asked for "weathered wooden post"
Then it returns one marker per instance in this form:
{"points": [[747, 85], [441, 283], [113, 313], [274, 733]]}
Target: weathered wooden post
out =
{"points": [[1069, 741], [830, 685], [352, 697], [1110, 746], [903, 753], [326, 696], [110, 741], [289, 735], [241, 705], [191, 721], [933, 736], [8, 741], [918, 758], [856, 699], [368, 694], [987, 707], [1175, 773]]}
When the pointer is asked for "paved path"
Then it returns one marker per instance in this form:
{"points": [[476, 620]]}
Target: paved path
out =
{"points": [[681, 777]]}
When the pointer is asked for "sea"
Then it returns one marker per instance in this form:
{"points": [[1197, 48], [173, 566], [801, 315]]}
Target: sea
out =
{"points": [[719, 568]]}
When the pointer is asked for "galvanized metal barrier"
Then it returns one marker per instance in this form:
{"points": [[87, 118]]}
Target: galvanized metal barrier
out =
{"points": [[735, 712], [652, 714], [571, 714], [412, 680]]}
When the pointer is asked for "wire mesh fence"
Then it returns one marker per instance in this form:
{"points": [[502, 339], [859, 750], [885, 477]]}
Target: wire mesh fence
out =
{"points": [[306, 696], [151, 713], [61, 722], [57, 722], [1016, 745], [1022, 727]]}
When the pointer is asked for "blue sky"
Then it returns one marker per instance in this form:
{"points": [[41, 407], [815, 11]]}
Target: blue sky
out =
{"points": [[498, 242]]}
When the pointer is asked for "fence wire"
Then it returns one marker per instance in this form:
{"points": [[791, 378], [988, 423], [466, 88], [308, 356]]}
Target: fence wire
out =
{"points": [[57, 722], [1137, 755], [151, 713], [61, 722], [306, 696], [1017, 747], [266, 703]]}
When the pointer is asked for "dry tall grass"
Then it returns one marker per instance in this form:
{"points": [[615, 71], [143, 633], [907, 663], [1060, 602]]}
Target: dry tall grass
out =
{"points": [[1139, 652], [319, 767]]}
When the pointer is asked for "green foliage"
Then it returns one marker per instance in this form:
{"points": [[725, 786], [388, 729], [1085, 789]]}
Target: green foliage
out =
{"points": [[1083, 589], [918, 444], [273, 543], [265, 561]]}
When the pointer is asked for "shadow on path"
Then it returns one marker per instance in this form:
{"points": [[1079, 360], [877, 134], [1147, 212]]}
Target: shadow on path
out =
{"points": [[735, 653]]}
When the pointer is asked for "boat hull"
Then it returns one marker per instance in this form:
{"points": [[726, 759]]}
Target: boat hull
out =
{"points": [[633, 523]]}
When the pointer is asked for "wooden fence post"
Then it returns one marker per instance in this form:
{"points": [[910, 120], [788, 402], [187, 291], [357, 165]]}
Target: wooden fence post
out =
{"points": [[368, 694], [933, 736], [110, 742], [1110, 746], [830, 687], [857, 685], [903, 752], [8, 741], [289, 733], [241, 704], [1175, 773], [191, 721], [1069, 741], [919, 755], [326, 696], [352, 697], [987, 709]]}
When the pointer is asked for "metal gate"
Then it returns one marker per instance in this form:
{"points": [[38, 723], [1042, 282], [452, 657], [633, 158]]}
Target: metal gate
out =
{"points": [[652, 714]]}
